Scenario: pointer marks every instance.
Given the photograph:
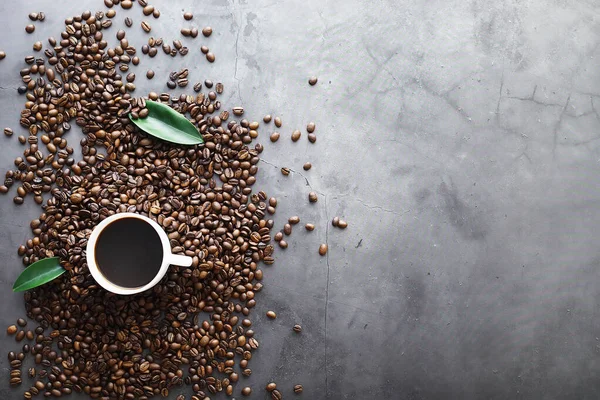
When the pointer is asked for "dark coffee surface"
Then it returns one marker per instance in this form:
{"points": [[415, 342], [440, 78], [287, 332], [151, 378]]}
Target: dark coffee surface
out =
{"points": [[129, 252]]}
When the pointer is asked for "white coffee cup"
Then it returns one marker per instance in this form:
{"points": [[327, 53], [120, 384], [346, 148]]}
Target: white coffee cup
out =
{"points": [[168, 257]]}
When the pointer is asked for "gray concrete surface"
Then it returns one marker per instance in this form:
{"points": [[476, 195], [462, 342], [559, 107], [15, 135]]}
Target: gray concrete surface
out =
{"points": [[460, 140]]}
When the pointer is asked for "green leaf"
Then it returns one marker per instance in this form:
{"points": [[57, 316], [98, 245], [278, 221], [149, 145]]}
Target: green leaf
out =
{"points": [[38, 273], [167, 124]]}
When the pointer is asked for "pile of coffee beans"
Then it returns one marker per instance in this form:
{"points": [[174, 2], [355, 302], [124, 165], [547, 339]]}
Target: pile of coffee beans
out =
{"points": [[192, 328]]}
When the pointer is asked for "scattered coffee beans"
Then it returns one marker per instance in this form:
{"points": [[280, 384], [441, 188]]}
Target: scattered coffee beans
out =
{"points": [[297, 328], [312, 197], [207, 31], [307, 166], [323, 249], [8, 131], [298, 389], [271, 314], [310, 128], [278, 122], [30, 28], [312, 81], [296, 135], [309, 227], [188, 16], [275, 137]]}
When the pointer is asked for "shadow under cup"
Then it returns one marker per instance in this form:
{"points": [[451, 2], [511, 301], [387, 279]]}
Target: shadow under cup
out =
{"points": [[129, 252]]}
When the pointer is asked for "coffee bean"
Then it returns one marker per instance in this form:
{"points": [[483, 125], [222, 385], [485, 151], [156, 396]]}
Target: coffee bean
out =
{"points": [[41, 16], [111, 13], [22, 139], [323, 249], [198, 87], [126, 4], [238, 111], [37, 46], [8, 131], [21, 334], [342, 224], [267, 119], [30, 28], [312, 81], [297, 328], [33, 16], [208, 83], [271, 386], [307, 166], [156, 13], [188, 16], [309, 227], [2, 55], [146, 26], [310, 128], [278, 122], [204, 49], [312, 197], [171, 85], [194, 32], [21, 322], [283, 244], [287, 229], [271, 314], [285, 171], [335, 221], [298, 389], [278, 236], [275, 137], [276, 395], [207, 31], [120, 34], [247, 391], [312, 137], [186, 32], [210, 57], [11, 330], [128, 22], [293, 220], [296, 135], [147, 10], [149, 74]]}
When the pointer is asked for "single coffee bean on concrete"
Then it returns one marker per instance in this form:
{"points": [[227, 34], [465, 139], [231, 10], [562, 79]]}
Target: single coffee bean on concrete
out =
{"points": [[22, 322], [296, 135], [30, 28], [188, 16], [150, 74], [210, 57], [41, 16], [310, 128], [126, 4], [309, 227], [207, 31], [238, 111], [312, 81], [267, 119], [204, 49], [293, 220], [186, 32], [285, 171], [22, 139], [312, 137], [149, 9], [312, 197], [271, 386], [307, 166], [37, 46], [342, 224], [11, 330], [33, 16], [276, 395], [194, 32], [247, 391], [278, 236], [146, 26], [274, 137], [20, 336], [278, 122], [2, 55], [297, 328], [128, 22], [283, 244], [335, 221], [8, 131], [156, 13], [271, 314], [298, 389], [323, 249], [287, 229]]}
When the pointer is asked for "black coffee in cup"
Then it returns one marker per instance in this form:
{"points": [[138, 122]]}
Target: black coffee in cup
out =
{"points": [[129, 252]]}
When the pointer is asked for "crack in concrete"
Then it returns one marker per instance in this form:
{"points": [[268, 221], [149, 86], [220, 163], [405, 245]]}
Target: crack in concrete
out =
{"points": [[557, 126]]}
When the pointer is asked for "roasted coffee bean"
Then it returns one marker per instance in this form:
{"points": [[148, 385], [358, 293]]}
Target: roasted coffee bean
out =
{"points": [[207, 31], [298, 389], [30, 28], [171, 85], [267, 119], [149, 74], [276, 395], [275, 137], [126, 4], [310, 128], [41, 16], [238, 111], [293, 220], [21, 322], [186, 32], [312, 81], [296, 135], [247, 391], [312, 137], [194, 32], [271, 314], [128, 22], [335, 221], [283, 244], [210, 57], [287, 229], [146, 26], [21, 334], [278, 122], [2, 55], [148, 10], [22, 139], [271, 386], [8, 131], [312, 197], [120, 34], [342, 224], [307, 166], [188, 16], [33, 16], [323, 249], [285, 171], [309, 227], [297, 328], [37, 46]]}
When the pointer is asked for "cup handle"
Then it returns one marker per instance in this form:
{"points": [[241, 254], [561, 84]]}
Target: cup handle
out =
{"points": [[182, 261]]}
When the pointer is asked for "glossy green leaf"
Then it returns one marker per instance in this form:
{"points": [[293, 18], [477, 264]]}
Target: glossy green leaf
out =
{"points": [[38, 273], [167, 124]]}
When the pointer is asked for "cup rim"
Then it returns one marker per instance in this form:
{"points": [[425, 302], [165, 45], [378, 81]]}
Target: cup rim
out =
{"points": [[91, 255]]}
